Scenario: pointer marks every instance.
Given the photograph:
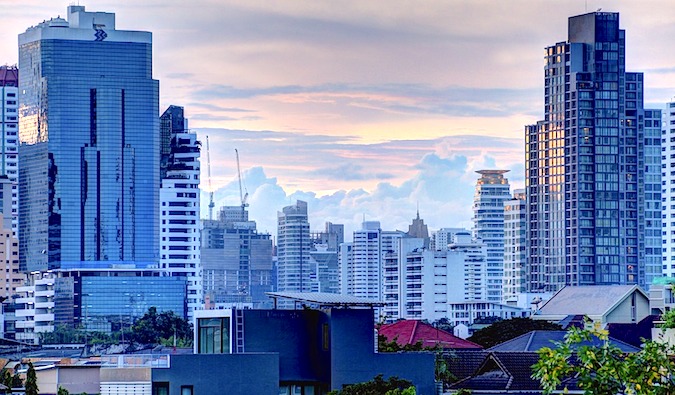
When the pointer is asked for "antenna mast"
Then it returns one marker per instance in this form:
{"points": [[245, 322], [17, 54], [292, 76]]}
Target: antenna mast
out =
{"points": [[243, 196], [208, 167]]}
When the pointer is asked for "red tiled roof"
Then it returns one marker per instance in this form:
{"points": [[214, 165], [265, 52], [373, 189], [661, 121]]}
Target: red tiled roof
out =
{"points": [[413, 331]]}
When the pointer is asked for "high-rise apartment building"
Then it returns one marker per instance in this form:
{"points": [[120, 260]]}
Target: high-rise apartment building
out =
{"points": [[593, 191], [515, 231], [293, 247], [492, 190], [89, 130], [180, 247], [9, 137], [361, 273], [668, 189], [10, 277]]}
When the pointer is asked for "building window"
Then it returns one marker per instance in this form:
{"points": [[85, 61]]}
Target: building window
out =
{"points": [[160, 389], [186, 390], [214, 335]]}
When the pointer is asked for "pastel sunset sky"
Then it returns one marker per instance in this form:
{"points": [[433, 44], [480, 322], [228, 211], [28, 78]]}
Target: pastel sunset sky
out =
{"points": [[361, 108]]}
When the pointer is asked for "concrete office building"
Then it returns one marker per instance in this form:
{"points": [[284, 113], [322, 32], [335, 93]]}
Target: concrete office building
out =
{"points": [[236, 259], [180, 247], [89, 130], [492, 190], [593, 190]]}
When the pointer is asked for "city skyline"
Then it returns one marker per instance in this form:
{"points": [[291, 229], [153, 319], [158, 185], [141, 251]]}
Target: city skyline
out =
{"points": [[390, 105]]}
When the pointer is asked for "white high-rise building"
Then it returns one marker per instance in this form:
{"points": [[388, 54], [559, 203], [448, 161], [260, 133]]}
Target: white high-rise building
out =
{"points": [[180, 246], [492, 189], [363, 272], [515, 231], [471, 255], [668, 189], [9, 121], [293, 249]]}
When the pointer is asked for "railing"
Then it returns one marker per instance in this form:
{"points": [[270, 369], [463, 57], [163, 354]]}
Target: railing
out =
{"points": [[136, 361]]}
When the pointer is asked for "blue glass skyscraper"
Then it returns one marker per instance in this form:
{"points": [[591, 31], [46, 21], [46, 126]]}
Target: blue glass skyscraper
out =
{"points": [[592, 166], [89, 133]]}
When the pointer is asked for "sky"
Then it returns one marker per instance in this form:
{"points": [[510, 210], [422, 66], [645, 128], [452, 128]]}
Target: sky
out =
{"points": [[364, 109]]}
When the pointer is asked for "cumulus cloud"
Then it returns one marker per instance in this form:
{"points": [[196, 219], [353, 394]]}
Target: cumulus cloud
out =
{"points": [[439, 175]]}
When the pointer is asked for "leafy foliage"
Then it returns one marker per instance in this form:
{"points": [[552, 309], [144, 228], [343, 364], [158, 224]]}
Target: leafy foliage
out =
{"points": [[31, 381], [153, 327], [444, 324], [62, 391], [668, 319], [378, 386], [502, 331], [10, 380], [65, 334], [605, 369]]}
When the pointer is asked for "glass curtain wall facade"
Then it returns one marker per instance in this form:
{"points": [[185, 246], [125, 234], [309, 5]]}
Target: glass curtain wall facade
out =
{"points": [[589, 187], [89, 131]]}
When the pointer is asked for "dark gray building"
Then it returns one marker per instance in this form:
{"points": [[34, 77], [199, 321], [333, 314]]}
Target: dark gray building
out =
{"points": [[593, 166], [307, 351], [236, 259], [89, 131]]}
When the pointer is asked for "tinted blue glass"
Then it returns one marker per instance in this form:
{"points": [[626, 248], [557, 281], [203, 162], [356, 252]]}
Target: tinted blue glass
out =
{"points": [[90, 139]]}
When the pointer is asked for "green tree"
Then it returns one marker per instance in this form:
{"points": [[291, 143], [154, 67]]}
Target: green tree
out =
{"points": [[31, 381], [378, 386], [502, 331], [62, 391], [153, 327], [605, 369]]}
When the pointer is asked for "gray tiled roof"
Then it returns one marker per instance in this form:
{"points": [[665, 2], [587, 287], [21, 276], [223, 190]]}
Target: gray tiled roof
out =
{"points": [[535, 340], [592, 300]]}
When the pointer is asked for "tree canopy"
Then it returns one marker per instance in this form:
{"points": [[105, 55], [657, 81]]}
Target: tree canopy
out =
{"points": [[154, 327], [31, 381], [378, 386], [501, 331], [605, 369]]}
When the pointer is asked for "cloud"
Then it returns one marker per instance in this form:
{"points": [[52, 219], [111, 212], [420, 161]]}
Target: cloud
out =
{"points": [[436, 174]]}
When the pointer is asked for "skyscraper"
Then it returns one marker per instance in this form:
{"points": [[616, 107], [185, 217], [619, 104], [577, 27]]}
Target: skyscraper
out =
{"points": [[515, 231], [593, 190], [236, 260], [179, 197], [9, 122], [293, 247], [492, 190], [89, 129], [10, 277]]}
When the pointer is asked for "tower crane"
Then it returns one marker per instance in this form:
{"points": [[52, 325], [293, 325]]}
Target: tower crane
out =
{"points": [[208, 167], [243, 193]]}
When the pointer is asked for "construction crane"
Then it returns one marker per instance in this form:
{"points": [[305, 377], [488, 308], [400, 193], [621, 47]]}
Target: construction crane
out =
{"points": [[243, 194], [208, 168]]}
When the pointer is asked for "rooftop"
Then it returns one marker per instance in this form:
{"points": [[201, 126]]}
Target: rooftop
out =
{"points": [[326, 299]]}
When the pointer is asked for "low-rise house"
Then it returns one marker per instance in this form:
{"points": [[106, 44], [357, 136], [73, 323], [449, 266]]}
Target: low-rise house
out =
{"points": [[602, 304], [411, 332]]}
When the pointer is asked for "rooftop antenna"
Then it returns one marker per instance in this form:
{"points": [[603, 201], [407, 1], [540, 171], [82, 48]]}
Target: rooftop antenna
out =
{"points": [[208, 166]]}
